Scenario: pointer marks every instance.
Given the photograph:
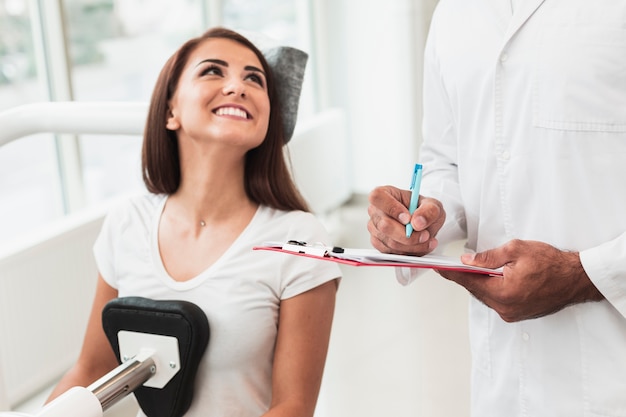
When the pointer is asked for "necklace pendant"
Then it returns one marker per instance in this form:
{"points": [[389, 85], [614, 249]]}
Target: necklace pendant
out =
{"points": [[202, 223]]}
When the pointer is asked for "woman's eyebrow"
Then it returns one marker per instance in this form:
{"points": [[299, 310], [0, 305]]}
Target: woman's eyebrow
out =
{"points": [[253, 68], [213, 60], [225, 64]]}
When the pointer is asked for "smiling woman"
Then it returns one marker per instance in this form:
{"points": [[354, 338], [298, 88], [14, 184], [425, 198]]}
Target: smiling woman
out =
{"points": [[219, 184], [220, 100]]}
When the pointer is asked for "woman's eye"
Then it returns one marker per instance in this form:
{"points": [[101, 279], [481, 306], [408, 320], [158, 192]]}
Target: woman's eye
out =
{"points": [[257, 79], [212, 70]]}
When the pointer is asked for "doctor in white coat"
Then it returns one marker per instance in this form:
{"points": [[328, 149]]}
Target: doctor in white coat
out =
{"points": [[524, 156]]}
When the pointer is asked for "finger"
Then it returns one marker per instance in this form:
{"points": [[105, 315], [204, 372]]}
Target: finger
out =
{"points": [[392, 201], [380, 224], [386, 233], [398, 242], [493, 258], [379, 239], [429, 215]]}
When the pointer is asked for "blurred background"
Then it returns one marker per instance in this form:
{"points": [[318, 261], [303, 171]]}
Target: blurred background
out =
{"points": [[395, 350], [365, 58]]}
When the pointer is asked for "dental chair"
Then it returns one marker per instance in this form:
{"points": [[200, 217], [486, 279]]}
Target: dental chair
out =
{"points": [[159, 345]]}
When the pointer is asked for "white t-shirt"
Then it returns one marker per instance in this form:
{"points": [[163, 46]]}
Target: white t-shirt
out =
{"points": [[240, 294]]}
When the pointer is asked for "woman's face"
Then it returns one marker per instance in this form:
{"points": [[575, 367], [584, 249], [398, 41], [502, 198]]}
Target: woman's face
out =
{"points": [[221, 96]]}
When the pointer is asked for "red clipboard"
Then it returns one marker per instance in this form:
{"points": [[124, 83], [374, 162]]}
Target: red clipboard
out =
{"points": [[371, 257]]}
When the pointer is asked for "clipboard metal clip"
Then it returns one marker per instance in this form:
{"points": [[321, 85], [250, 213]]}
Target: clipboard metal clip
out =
{"points": [[299, 246]]}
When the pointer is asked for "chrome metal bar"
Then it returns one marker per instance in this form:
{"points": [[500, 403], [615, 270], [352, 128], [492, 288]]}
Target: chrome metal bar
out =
{"points": [[122, 381]]}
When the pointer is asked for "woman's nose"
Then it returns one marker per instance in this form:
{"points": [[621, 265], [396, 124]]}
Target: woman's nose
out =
{"points": [[234, 86]]}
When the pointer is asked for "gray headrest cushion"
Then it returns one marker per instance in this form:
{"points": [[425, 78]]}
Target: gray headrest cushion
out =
{"points": [[288, 65]]}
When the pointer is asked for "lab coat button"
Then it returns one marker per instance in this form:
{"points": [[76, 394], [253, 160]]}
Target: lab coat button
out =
{"points": [[525, 337], [505, 156], [504, 57]]}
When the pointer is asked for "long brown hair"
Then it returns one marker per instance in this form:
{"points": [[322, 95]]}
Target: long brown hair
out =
{"points": [[267, 178]]}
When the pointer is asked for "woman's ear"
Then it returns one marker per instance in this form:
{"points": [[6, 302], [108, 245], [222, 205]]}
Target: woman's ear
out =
{"points": [[172, 122]]}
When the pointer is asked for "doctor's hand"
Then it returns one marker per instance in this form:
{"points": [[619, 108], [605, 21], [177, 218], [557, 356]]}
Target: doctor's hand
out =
{"points": [[538, 280], [388, 218]]}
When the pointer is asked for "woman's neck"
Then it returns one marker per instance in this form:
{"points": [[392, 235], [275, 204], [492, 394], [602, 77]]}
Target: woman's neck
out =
{"points": [[212, 191]]}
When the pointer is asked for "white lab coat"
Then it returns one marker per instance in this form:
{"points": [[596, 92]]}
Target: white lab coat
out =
{"points": [[525, 137]]}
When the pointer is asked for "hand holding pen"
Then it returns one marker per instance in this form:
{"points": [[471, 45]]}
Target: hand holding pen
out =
{"points": [[390, 216]]}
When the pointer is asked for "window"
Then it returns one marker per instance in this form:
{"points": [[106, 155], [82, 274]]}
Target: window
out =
{"points": [[104, 50], [284, 21], [18, 69], [116, 49], [28, 172]]}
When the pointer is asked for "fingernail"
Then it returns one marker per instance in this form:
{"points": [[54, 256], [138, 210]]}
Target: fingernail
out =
{"points": [[423, 237], [468, 257], [404, 218], [419, 223]]}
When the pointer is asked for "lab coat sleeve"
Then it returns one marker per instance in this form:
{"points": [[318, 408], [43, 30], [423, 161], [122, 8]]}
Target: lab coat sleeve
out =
{"points": [[439, 151], [438, 155], [606, 267]]}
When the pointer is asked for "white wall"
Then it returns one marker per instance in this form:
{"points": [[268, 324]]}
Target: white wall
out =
{"points": [[371, 54]]}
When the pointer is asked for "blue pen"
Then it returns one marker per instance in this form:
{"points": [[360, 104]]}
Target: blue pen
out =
{"points": [[415, 194]]}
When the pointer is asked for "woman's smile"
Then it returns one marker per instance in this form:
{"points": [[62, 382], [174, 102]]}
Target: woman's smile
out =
{"points": [[233, 111]]}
